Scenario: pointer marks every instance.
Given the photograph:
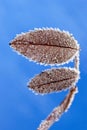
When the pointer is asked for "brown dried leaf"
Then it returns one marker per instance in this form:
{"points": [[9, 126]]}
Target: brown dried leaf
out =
{"points": [[48, 46], [54, 80], [58, 111]]}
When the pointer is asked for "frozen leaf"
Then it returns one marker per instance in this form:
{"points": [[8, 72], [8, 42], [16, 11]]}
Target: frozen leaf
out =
{"points": [[54, 80], [47, 46]]}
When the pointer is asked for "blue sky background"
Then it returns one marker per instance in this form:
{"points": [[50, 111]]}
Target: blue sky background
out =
{"points": [[20, 109]]}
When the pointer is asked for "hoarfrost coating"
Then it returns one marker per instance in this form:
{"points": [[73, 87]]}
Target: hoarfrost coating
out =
{"points": [[53, 47], [47, 46]]}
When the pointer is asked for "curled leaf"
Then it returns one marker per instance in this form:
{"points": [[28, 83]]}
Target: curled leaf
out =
{"points": [[58, 111], [54, 80], [48, 46]]}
